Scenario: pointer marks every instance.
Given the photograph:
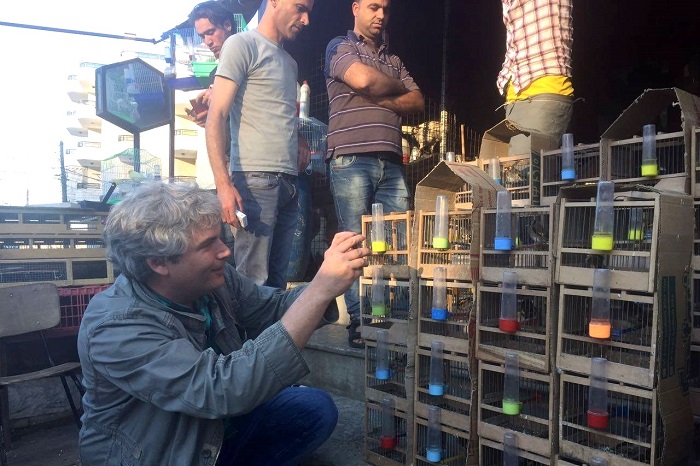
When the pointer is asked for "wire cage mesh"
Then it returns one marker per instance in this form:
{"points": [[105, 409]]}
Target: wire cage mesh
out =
{"points": [[127, 169], [395, 385], [459, 386], [62, 272], [696, 237], [453, 332], [626, 158], [533, 340], [190, 47], [396, 300], [634, 431], [537, 417], [375, 452], [491, 454], [518, 174], [586, 165], [32, 220], [695, 313], [695, 160], [631, 348], [457, 259], [634, 241], [456, 444], [532, 253], [397, 233]]}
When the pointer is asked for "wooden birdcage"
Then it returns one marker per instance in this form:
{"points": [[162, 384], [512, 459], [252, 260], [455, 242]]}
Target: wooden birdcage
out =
{"points": [[460, 260], [586, 166], [453, 331], [397, 233]]}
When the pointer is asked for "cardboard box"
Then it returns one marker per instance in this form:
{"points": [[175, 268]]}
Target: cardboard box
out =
{"points": [[520, 173], [621, 143]]}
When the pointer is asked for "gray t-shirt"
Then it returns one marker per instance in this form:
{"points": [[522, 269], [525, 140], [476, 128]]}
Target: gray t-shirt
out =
{"points": [[263, 113]]}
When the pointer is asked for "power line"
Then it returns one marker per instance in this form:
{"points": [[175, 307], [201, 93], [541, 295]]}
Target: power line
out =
{"points": [[124, 36]]}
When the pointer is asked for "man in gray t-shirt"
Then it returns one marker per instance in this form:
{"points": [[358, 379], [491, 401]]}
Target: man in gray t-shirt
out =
{"points": [[255, 85]]}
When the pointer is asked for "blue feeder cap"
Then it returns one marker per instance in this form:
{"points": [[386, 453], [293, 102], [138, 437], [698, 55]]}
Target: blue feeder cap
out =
{"points": [[436, 390], [503, 244], [568, 174], [438, 314]]}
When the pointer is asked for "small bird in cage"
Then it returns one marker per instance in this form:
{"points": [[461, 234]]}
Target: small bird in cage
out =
{"points": [[537, 232], [596, 261], [512, 176], [529, 313]]}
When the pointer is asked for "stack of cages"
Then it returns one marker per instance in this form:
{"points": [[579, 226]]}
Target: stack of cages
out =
{"points": [[518, 173], [694, 379], [61, 245], [516, 323], [389, 331], [650, 142], [581, 167], [623, 340], [446, 258]]}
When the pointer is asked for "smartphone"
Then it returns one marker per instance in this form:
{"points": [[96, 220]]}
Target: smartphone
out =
{"points": [[198, 107]]}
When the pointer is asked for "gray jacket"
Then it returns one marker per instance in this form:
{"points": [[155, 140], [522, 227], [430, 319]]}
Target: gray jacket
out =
{"points": [[157, 393]]}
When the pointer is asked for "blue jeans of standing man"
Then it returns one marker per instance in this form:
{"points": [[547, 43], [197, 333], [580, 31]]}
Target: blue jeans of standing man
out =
{"points": [[261, 250], [358, 181], [282, 431]]}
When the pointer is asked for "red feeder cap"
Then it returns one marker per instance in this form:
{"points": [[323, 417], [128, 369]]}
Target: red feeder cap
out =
{"points": [[597, 420], [388, 443], [508, 325]]}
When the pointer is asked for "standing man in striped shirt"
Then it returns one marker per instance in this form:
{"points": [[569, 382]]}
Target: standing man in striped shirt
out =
{"points": [[369, 89], [536, 74]]}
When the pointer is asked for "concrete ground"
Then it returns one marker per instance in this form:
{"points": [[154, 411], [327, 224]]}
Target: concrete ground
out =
{"points": [[56, 444]]}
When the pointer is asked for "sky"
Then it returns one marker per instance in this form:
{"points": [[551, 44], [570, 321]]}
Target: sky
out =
{"points": [[34, 79]]}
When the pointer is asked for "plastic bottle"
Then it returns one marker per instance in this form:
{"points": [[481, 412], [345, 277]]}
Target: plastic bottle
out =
{"points": [[600, 325], [439, 308], [436, 383], [510, 449], [597, 413], [304, 100], [495, 170], [379, 245], [503, 240], [379, 308], [388, 437], [650, 167], [382, 372], [508, 322], [440, 235], [433, 451], [604, 220], [568, 172], [511, 385]]}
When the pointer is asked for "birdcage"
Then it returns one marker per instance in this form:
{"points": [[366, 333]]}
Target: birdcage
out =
{"points": [[381, 451], [634, 435], [397, 233], [643, 233], [532, 229], [457, 444], [73, 302], [391, 314], [695, 158], [454, 330], [491, 454], [460, 260], [694, 379], [61, 272], [535, 425], [128, 169], [586, 166], [696, 238], [533, 341], [458, 389], [631, 349], [394, 385], [625, 159], [50, 221], [695, 309], [519, 174]]}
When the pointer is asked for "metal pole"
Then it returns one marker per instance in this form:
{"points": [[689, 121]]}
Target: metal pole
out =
{"points": [[64, 179], [443, 86], [171, 152], [137, 152]]}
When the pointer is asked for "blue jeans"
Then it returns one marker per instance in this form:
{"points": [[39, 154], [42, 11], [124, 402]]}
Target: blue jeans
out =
{"points": [[356, 183], [282, 431], [261, 250]]}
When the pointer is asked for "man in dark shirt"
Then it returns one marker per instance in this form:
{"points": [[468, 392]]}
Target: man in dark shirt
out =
{"points": [[368, 90]]}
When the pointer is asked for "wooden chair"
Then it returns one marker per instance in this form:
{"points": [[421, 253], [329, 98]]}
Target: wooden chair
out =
{"points": [[25, 309]]}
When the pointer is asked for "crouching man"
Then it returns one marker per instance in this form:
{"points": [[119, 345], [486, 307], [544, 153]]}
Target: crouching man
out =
{"points": [[186, 362]]}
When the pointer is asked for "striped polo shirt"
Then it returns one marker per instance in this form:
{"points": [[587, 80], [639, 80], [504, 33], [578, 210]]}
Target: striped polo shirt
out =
{"points": [[356, 125]]}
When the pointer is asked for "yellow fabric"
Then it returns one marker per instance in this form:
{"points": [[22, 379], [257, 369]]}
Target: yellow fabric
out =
{"points": [[560, 85]]}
